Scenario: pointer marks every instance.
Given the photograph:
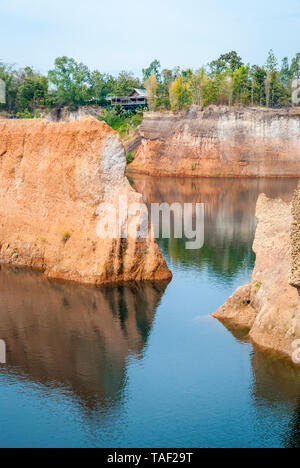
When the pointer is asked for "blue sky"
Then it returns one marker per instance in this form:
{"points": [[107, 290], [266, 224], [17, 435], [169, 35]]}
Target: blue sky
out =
{"points": [[129, 34]]}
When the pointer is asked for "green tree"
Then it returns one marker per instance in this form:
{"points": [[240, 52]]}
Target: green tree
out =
{"points": [[153, 67], [230, 61], [242, 84], [125, 83], [295, 67], [32, 91], [98, 87], [268, 84], [9, 76], [284, 75], [271, 63], [275, 92], [71, 81], [258, 77]]}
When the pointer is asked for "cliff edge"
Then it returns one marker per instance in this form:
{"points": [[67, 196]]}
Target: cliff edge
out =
{"points": [[53, 177], [269, 307], [220, 142]]}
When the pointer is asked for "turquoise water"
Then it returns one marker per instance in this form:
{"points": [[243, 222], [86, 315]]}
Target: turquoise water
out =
{"points": [[146, 365]]}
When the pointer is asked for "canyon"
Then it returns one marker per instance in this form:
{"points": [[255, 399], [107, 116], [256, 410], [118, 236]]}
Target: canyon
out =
{"points": [[219, 142], [269, 307], [53, 178]]}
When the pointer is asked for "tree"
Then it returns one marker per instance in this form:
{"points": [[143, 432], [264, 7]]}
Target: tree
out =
{"points": [[32, 91], [125, 83], [98, 86], [198, 83], [230, 61], [229, 89], [273, 87], [271, 63], [295, 67], [162, 100], [242, 84], [154, 67], [151, 86], [71, 81], [9, 76], [268, 82], [258, 77], [180, 94], [284, 74]]}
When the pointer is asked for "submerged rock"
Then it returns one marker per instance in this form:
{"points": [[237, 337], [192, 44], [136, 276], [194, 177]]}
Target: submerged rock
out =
{"points": [[220, 142], [53, 177], [269, 306]]}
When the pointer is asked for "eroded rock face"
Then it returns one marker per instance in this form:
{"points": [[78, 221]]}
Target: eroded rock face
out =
{"points": [[53, 176], [295, 242], [64, 114], [220, 142], [269, 307]]}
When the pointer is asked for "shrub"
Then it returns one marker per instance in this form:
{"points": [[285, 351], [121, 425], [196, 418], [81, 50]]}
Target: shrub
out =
{"points": [[123, 122], [129, 158], [25, 115]]}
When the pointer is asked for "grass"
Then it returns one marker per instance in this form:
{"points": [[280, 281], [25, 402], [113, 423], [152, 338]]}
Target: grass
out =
{"points": [[129, 158]]}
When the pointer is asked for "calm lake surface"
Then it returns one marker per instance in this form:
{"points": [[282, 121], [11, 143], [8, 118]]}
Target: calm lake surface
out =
{"points": [[145, 365]]}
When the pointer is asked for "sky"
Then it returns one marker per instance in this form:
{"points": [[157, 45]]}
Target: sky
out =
{"points": [[115, 35]]}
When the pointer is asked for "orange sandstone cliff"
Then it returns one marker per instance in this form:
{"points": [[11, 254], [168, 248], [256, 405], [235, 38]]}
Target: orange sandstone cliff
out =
{"points": [[269, 307], [53, 177], [220, 142]]}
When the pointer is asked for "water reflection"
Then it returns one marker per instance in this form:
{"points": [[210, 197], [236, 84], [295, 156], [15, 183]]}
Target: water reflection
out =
{"points": [[230, 226], [82, 371], [276, 390], [229, 217], [72, 336]]}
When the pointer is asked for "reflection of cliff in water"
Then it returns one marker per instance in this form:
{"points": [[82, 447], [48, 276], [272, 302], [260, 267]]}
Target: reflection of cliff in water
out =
{"points": [[74, 336], [276, 388], [293, 438], [229, 217]]}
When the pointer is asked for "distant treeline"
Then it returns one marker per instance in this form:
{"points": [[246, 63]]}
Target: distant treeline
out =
{"points": [[227, 80]]}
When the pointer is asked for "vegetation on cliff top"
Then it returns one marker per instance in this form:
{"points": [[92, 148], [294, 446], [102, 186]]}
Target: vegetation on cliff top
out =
{"points": [[227, 80], [121, 120]]}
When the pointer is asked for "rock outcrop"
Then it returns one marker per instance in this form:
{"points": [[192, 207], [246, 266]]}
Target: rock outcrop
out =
{"points": [[220, 142], [53, 178], [269, 307], [65, 114]]}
